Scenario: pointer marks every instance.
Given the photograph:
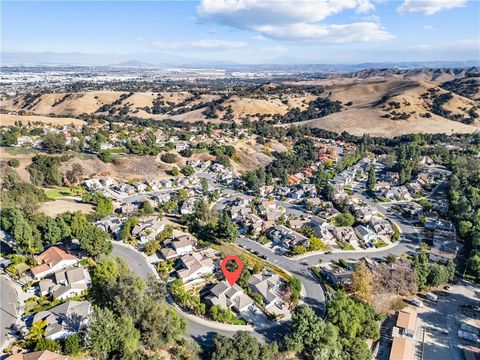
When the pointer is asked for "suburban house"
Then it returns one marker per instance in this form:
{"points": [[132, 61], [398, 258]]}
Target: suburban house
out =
{"points": [[187, 207], [92, 184], [195, 266], [440, 256], [365, 234], [161, 198], [148, 230], [406, 324], [111, 224], [179, 246], [66, 283], [52, 260], [322, 229], [65, 319], [345, 233], [38, 355], [166, 183], [267, 206], [446, 241], [381, 226], [268, 285], [140, 187], [281, 235], [337, 276], [228, 296]]}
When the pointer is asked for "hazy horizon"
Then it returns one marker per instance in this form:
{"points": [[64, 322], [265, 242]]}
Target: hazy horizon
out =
{"points": [[221, 31]]}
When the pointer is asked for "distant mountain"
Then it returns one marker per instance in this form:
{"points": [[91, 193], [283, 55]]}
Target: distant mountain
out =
{"points": [[152, 59], [134, 64]]}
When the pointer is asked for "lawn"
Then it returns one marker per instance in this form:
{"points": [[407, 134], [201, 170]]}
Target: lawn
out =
{"points": [[345, 246], [58, 192], [232, 249], [380, 244], [36, 304]]}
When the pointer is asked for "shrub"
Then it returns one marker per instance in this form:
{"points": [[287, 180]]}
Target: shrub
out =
{"points": [[168, 158], [13, 163]]}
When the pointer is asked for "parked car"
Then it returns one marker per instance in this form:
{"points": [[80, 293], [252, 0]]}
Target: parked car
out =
{"points": [[417, 302], [470, 328], [431, 296], [467, 336]]}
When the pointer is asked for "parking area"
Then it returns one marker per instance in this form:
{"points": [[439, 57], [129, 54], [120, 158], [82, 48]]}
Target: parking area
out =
{"points": [[441, 320]]}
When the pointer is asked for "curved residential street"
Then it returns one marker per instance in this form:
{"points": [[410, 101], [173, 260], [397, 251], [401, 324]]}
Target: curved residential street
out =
{"points": [[138, 264], [313, 294]]}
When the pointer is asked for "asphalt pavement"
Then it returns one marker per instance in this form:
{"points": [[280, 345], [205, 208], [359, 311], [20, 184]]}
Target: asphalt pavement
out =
{"points": [[8, 302]]}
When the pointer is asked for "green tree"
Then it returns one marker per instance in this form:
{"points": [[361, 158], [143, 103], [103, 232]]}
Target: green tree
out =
{"points": [[126, 233], [94, 241], [105, 156], [102, 334], [160, 324], [188, 170], [38, 330], [344, 219], [52, 232], [175, 171], [169, 158], [151, 247], [422, 269], [44, 170], [54, 142], [146, 208], [47, 344], [73, 344], [372, 179], [295, 285], [226, 228], [309, 332]]}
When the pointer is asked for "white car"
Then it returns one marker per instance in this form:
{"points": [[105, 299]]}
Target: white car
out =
{"points": [[417, 302]]}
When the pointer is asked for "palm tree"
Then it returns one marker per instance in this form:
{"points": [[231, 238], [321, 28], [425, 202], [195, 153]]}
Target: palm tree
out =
{"points": [[38, 330]]}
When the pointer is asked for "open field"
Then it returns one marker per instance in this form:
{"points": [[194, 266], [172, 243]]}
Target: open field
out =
{"points": [[360, 121], [9, 120], [55, 207]]}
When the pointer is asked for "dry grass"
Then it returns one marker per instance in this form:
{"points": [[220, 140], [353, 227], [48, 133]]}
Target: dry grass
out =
{"points": [[53, 208], [8, 119]]}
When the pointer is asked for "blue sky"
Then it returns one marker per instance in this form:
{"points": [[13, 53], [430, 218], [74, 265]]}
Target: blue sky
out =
{"points": [[249, 31]]}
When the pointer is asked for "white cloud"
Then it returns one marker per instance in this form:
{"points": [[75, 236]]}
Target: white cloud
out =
{"points": [[347, 33], [294, 20], [429, 7], [139, 38], [203, 44], [259, 37], [428, 27], [458, 45]]}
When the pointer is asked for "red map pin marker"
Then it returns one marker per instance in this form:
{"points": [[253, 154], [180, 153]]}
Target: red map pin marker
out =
{"points": [[232, 276]]}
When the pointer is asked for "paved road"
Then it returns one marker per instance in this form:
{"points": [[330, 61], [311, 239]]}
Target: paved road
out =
{"points": [[8, 315], [314, 294], [139, 265]]}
